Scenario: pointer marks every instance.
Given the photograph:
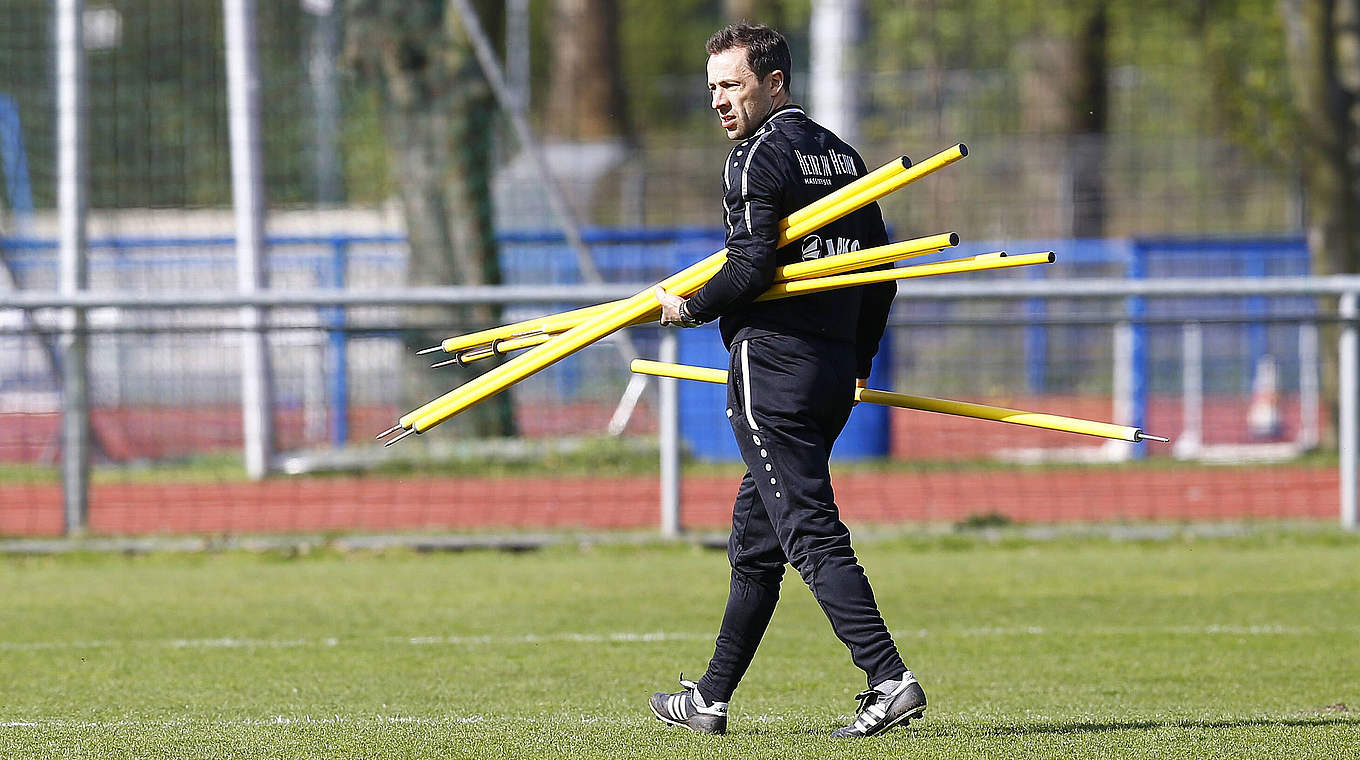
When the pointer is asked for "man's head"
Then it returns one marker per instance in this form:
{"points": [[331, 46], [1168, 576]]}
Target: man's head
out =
{"points": [[748, 76]]}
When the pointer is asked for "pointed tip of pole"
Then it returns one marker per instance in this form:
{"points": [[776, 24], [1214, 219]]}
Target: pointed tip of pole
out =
{"points": [[387, 432], [446, 362], [430, 350], [412, 431], [1150, 437]]}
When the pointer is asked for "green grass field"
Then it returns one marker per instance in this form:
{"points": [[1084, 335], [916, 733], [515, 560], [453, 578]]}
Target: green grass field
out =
{"points": [[1075, 647]]}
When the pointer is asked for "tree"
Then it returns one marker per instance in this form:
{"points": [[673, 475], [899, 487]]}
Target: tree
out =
{"points": [[585, 96], [437, 115], [1323, 44], [1064, 71]]}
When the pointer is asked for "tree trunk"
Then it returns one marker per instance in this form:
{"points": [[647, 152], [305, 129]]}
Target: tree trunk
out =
{"points": [[436, 113], [1088, 115], [1321, 43], [1328, 144], [1064, 104], [767, 12], [585, 95]]}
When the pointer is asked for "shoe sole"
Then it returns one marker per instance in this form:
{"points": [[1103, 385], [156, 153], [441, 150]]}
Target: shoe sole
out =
{"points": [[904, 718], [901, 720], [673, 722]]}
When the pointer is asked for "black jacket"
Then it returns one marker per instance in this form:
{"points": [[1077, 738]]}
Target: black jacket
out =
{"points": [[789, 162]]}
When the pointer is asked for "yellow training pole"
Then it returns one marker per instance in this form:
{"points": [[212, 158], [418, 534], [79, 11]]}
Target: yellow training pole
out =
{"points": [[981, 263], [929, 404], [548, 324], [869, 257], [499, 378], [804, 224], [885, 173]]}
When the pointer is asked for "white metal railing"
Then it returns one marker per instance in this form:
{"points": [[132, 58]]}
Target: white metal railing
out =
{"points": [[1344, 287]]}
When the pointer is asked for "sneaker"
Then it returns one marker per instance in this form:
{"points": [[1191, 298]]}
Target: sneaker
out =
{"points": [[688, 708], [889, 704]]}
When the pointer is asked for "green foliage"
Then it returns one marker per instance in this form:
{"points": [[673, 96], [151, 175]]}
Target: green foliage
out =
{"points": [[662, 50], [158, 133], [1205, 648], [1247, 69]]}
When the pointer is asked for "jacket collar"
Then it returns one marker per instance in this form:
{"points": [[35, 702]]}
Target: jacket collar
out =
{"points": [[785, 110]]}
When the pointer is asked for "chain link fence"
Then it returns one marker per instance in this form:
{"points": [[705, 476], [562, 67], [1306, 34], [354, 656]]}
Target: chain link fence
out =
{"points": [[1237, 379]]}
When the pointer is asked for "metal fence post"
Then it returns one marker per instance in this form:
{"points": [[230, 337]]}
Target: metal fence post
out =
{"points": [[669, 433], [1189, 442], [74, 265], [247, 190], [1349, 407]]}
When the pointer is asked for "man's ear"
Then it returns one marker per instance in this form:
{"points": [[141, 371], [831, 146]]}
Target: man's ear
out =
{"points": [[776, 82]]}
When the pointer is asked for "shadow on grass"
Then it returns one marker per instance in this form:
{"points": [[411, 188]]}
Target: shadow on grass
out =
{"points": [[1092, 727]]}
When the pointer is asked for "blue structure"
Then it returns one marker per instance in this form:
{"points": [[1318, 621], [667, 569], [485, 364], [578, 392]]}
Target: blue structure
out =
{"points": [[1151, 345], [704, 426], [34, 260], [14, 163]]}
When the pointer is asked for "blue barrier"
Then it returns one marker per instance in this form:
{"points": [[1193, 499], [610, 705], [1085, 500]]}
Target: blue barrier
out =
{"points": [[14, 163], [1208, 257], [704, 426]]}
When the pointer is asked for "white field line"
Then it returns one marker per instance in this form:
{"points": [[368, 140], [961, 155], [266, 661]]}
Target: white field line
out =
{"points": [[228, 642], [334, 720], [374, 720]]}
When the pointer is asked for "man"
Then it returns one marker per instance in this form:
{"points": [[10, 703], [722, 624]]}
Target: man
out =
{"points": [[794, 364]]}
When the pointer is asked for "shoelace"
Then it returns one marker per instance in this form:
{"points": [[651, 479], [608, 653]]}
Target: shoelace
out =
{"points": [[868, 697], [683, 705]]}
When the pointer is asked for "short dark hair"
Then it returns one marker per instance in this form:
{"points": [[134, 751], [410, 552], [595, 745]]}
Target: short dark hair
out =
{"points": [[766, 50]]}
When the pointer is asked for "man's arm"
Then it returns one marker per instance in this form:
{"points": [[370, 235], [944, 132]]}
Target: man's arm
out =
{"points": [[753, 233]]}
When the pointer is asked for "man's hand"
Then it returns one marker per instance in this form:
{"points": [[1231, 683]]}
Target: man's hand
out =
{"points": [[671, 311]]}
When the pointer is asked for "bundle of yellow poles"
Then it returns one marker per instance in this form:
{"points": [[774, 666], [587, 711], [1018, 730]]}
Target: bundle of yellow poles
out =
{"points": [[582, 330], [558, 323], [467, 352], [929, 404]]}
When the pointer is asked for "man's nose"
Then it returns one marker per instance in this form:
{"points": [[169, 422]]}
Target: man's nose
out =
{"points": [[718, 99]]}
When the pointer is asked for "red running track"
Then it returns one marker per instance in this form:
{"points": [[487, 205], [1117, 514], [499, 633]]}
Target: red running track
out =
{"points": [[306, 504]]}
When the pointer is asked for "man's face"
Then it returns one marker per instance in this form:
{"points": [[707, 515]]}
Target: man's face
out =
{"points": [[741, 100]]}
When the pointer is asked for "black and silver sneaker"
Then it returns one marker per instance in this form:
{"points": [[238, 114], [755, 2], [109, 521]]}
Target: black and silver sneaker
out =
{"points": [[889, 704], [687, 708]]}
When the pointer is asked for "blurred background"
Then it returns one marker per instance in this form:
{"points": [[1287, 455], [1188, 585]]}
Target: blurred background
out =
{"points": [[1210, 148]]}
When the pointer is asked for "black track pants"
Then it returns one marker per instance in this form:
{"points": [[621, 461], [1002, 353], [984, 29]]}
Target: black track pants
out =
{"points": [[788, 398]]}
